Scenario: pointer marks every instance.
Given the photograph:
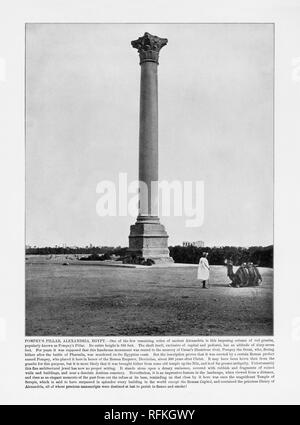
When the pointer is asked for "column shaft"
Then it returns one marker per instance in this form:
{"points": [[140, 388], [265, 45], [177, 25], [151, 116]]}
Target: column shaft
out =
{"points": [[148, 140]]}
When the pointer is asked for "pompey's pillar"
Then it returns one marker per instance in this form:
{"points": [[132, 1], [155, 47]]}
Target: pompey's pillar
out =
{"points": [[148, 237]]}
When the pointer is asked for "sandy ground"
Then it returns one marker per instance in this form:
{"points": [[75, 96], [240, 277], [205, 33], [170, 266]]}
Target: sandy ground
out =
{"points": [[88, 300]]}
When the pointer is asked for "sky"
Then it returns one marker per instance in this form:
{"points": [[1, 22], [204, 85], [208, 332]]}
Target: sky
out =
{"points": [[215, 88]]}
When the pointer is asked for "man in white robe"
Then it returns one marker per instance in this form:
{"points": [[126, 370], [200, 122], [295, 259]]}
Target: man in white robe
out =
{"points": [[203, 270]]}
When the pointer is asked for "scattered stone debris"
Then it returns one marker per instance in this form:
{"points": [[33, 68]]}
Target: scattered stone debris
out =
{"points": [[135, 259]]}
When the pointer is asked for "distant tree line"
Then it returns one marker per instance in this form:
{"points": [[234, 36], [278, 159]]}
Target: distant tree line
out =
{"points": [[69, 250], [261, 256]]}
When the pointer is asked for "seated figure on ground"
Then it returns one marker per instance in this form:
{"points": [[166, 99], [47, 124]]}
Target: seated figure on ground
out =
{"points": [[255, 278], [246, 275]]}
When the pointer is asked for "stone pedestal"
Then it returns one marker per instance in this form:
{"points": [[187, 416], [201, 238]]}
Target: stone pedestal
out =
{"points": [[148, 238]]}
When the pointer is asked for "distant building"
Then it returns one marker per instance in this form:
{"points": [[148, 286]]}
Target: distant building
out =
{"points": [[197, 244]]}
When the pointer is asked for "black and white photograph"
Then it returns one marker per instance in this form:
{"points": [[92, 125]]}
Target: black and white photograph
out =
{"points": [[149, 179], [150, 218]]}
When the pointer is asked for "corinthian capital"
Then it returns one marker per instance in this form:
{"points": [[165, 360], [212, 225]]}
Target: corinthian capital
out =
{"points": [[149, 47]]}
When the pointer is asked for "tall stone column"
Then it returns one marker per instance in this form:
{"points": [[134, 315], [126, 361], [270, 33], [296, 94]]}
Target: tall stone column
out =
{"points": [[148, 237]]}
